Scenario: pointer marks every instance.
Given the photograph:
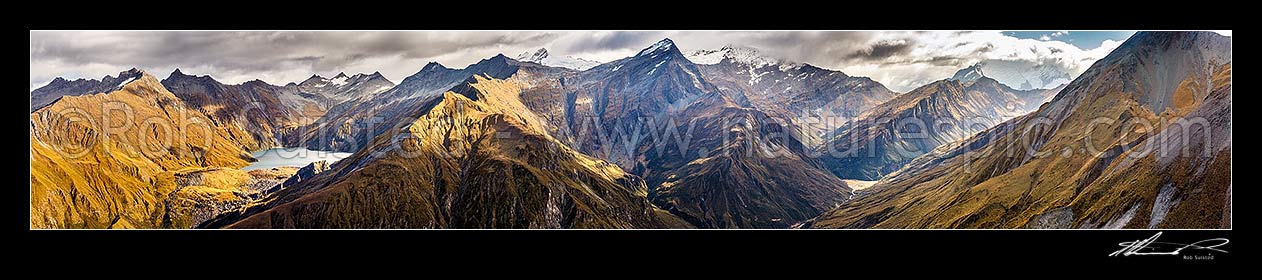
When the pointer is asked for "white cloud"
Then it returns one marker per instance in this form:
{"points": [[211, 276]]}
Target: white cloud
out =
{"points": [[937, 55]]}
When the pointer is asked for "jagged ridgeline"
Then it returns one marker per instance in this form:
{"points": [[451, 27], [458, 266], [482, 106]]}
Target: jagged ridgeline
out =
{"points": [[893, 133], [1142, 139], [259, 115], [713, 184], [719, 138], [474, 157]]}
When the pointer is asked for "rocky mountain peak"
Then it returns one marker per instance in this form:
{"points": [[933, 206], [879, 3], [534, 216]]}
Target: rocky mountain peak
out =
{"points": [[969, 74], [133, 72], [665, 46], [315, 78], [543, 57], [537, 56], [178, 75], [498, 66], [742, 55], [432, 66]]}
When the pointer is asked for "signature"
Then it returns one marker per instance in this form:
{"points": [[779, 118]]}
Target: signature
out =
{"points": [[1151, 246]]}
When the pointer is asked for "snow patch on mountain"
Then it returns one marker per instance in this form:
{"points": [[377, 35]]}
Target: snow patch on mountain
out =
{"points": [[340, 80], [740, 55], [1024, 75], [660, 46], [542, 57], [972, 73], [124, 82], [707, 57]]}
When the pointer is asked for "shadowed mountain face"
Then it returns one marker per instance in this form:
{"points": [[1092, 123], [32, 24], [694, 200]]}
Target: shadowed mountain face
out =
{"points": [[61, 87], [812, 99], [341, 88], [260, 115], [892, 134], [705, 157], [1142, 139], [472, 157], [109, 159], [255, 114]]}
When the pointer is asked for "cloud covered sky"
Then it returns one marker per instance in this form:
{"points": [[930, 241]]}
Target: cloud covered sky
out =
{"points": [[902, 60]]}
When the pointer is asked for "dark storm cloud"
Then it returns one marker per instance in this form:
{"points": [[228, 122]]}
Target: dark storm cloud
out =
{"points": [[882, 50]]}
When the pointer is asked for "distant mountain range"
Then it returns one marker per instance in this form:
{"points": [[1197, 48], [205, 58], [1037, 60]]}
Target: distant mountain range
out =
{"points": [[542, 57], [1019, 74], [720, 177], [895, 132], [61, 87], [1141, 140], [811, 99], [720, 138]]}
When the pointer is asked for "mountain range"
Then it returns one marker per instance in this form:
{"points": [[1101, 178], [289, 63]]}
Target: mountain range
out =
{"points": [[888, 136], [812, 100], [1142, 139], [542, 57], [119, 172], [718, 138]]}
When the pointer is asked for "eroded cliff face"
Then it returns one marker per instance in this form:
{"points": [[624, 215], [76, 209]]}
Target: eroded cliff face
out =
{"points": [[473, 157], [108, 160], [1140, 140]]}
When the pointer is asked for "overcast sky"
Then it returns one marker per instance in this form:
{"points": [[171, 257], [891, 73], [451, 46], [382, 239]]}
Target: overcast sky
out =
{"points": [[901, 60]]}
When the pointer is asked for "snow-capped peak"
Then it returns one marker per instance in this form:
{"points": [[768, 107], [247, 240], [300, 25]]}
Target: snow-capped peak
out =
{"points": [[432, 66], [660, 46], [542, 56], [740, 55], [971, 73], [339, 80], [708, 57], [537, 56]]}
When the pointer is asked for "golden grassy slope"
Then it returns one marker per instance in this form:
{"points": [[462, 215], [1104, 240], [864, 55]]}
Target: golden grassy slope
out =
{"points": [[117, 179]]}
